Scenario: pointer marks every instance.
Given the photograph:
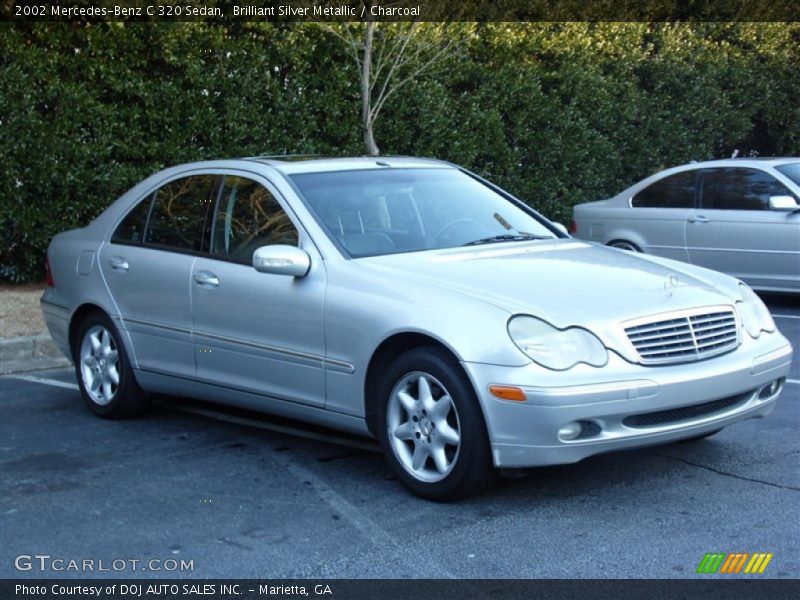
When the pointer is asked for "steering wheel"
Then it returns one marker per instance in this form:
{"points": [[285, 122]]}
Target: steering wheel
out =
{"points": [[454, 223]]}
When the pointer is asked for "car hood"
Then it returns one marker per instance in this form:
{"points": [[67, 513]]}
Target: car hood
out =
{"points": [[565, 282]]}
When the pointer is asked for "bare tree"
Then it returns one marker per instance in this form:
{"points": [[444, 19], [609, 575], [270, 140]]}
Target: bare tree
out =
{"points": [[389, 55]]}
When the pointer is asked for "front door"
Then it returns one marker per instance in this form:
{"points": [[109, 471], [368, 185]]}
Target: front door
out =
{"points": [[257, 332], [734, 230]]}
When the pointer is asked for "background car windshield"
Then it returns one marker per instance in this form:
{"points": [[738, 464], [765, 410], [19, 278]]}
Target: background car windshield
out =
{"points": [[374, 212], [791, 170]]}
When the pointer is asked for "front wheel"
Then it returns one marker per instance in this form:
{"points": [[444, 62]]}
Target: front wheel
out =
{"points": [[432, 429], [103, 371]]}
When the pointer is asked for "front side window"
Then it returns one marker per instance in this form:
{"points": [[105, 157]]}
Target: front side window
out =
{"points": [[178, 216], [735, 188], [131, 229], [387, 211], [247, 217], [674, 191]]}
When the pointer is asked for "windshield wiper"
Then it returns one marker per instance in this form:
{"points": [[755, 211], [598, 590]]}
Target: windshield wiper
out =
{"points": [[506, 237]]}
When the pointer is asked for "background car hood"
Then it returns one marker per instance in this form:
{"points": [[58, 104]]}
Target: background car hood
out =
{"points": [[566, 281]]}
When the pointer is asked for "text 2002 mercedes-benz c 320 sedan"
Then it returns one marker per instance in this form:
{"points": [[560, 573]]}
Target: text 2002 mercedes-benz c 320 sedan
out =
{"points": [[407, 299]]}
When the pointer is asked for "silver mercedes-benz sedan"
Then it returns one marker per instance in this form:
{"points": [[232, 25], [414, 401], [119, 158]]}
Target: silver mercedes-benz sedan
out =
{"points": [[739, 216], [409, 300]]}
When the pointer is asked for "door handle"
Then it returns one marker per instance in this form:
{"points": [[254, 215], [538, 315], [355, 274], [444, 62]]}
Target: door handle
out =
{"points": [[206, 278], [119, 264], [699, 219]]}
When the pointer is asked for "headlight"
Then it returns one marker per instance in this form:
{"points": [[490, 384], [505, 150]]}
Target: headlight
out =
{"points": [[555, 348], [753, 313]]}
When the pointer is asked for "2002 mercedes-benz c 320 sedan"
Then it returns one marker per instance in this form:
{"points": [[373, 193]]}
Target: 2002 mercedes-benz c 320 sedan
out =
{"points": [[409, 300]]}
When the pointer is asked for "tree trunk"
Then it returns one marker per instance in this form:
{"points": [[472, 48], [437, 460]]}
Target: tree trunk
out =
{"points": [[366, 100]]}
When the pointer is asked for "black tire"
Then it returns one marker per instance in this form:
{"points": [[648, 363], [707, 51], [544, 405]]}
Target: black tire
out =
{"points": [[470, 468], [128, 399]]}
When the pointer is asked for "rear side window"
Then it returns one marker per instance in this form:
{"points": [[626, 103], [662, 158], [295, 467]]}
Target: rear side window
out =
{"points": [[736, 188], [131, 229], [178, 217], [674, 191], [248, 217]]}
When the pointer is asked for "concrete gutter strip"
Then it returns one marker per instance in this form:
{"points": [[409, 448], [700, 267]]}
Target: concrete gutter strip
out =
{"points": [[30, 353]]}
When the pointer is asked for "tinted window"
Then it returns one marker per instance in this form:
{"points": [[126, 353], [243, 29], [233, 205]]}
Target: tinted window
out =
{"points": [[792, 171], [179, 213], [674, 191], [739, 189], [131, 229], [248, 217], [386, 211]]}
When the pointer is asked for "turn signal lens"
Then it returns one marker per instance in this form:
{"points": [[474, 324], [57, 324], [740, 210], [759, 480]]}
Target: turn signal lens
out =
{"points": [[508, 392]]}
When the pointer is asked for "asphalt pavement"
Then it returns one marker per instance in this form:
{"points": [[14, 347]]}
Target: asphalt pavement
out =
{"points": [[234, 495]]}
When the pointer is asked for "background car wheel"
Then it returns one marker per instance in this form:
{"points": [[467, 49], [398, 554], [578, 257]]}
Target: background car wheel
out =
{"points": [[431, 427], [625, 245], [103, 371]]}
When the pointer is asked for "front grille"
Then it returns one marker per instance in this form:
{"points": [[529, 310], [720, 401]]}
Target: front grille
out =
{"points": [[684, 413], [687, 336]]}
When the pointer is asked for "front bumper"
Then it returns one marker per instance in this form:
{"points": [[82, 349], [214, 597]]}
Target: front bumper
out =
{"points": [[688, 400]]}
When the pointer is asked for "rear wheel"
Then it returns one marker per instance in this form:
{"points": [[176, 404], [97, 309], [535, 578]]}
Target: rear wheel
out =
{"points": [[432, 429], [103, 371], [625, 245]]}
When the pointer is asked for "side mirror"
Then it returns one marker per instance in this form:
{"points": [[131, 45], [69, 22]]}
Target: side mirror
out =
{"points": [[279, 259], [561, 228], [783, 203]]}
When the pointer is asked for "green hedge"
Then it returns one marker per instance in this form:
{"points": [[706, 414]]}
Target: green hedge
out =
{"points": [[556, 113]]}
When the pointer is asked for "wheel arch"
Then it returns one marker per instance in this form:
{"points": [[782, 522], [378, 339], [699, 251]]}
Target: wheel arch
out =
{"points": [[77, 318], [631, 240], [87, 308], [386, 352]]}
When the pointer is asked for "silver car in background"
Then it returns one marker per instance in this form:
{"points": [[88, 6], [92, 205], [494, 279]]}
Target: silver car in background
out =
{"points": [[405, 299], [739, 216]]}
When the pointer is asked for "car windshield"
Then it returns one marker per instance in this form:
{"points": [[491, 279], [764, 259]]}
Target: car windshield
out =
{"points": [[387, 211], [791, 170]]}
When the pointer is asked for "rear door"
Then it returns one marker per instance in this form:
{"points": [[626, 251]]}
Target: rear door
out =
{"points": [[258, 332], [734, 231], [147, 266]]}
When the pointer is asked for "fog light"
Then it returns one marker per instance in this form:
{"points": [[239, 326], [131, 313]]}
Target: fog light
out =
{"points": [[770, 390], [570, 431]]}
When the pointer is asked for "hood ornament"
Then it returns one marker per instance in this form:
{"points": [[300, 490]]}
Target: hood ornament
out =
{"points": [[671, 283]]}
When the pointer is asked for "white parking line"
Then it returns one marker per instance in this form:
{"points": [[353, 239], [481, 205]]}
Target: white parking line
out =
{"points": [[794, 381], [46, 381], [786, 316]]}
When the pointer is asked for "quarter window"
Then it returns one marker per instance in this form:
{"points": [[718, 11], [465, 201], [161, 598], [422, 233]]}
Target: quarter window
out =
{"points": [[740, 189], [179, 212], [131, 229], [674, 191], [248, 216]]}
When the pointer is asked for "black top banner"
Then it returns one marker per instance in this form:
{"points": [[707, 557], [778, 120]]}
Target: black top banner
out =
{"points": [[222, 11]]}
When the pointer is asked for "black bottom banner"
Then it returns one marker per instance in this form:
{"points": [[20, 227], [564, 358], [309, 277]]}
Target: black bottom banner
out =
{"points": [[400, 589]]}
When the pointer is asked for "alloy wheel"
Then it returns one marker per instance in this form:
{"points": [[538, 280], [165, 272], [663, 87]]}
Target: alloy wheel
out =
{"points": [[99, 364], [423, 427]]}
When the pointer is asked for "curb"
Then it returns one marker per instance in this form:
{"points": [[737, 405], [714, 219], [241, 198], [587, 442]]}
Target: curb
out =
{"points": [[30, 353]]}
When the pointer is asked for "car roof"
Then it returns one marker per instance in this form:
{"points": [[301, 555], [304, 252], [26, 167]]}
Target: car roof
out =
{"points": [[744, 162], [291, 165]]}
